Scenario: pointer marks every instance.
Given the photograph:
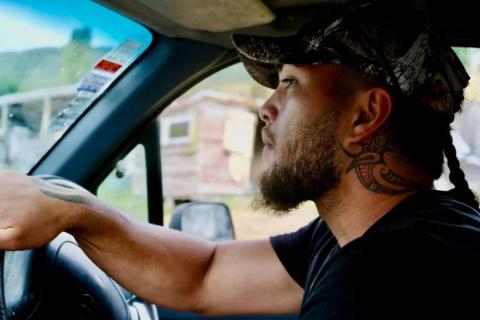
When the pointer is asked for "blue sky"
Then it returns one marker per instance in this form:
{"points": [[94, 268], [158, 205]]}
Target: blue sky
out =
{"points": [[27, 24]]}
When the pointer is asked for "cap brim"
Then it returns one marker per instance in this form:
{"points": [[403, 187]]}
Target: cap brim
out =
{"points": [[262, 56]]}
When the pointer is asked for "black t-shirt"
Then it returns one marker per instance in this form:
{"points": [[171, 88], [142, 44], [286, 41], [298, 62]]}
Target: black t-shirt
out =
{"points": [[420, 260]]}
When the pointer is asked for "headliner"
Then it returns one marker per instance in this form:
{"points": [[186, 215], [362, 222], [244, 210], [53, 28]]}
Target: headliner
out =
{"points": [[454, 20]]}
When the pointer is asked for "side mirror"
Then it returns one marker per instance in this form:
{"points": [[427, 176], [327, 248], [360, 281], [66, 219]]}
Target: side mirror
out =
{"points": [[212, 221]]}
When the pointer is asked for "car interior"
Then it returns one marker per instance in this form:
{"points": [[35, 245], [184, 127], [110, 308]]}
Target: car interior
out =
{"points": [[190, 41]]}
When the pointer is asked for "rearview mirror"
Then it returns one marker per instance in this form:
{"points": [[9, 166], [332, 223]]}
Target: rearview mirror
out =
{"points": [[208, 220]]}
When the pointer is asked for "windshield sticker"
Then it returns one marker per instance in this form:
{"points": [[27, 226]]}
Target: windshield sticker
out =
{"points": [[126, 52], [93, 82], [108, 66], [100, 77]]}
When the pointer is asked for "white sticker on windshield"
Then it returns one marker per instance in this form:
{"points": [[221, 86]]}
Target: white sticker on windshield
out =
{"points": [[93, 82], [109, 68], [125, 53], [103, 73]]}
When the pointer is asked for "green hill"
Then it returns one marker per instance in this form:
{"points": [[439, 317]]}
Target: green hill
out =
{"points": [[46, 67]]}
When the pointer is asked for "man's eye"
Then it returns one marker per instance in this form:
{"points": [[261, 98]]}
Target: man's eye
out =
{"points": [[288, 82]]}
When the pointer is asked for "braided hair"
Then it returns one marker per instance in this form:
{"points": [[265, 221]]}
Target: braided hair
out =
{"points": [[461, 191], [428, 145]]}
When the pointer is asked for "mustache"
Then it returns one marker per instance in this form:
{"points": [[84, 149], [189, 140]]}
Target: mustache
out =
{"points": [[267, 134]]}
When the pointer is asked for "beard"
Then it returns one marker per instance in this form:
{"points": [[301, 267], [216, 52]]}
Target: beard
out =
{"points": [[308, 167]]}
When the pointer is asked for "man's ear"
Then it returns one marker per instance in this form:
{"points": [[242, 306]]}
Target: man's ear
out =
{"points": [[370, 109]]}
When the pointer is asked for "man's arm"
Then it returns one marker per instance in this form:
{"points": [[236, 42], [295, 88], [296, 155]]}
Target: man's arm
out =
{"points": [[163, 266]]}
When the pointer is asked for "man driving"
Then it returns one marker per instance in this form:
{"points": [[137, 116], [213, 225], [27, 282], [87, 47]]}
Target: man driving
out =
{"points": [[359, 123]]}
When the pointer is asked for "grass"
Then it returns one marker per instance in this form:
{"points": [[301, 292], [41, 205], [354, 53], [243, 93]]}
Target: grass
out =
{"points": [[120, 196]]}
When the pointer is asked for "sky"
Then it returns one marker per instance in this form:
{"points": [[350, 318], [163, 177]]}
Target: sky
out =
{"points": [[28, 24]]}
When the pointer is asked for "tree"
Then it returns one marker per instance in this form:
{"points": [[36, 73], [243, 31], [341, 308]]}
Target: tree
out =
{"points": [[10, 87], [77, 56]]}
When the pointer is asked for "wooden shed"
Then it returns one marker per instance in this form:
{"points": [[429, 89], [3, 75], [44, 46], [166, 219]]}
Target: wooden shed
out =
{"points": [[208, 144]]}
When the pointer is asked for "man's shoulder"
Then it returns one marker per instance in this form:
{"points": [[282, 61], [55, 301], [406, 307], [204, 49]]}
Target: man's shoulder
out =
{"points": [[422, 258], [424, 218]]}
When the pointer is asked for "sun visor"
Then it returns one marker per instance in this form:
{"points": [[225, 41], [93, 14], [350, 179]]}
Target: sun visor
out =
{"points": [[213, 15]]}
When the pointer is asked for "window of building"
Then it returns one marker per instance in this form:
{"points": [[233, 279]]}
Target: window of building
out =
{"points": [[177, 130]]}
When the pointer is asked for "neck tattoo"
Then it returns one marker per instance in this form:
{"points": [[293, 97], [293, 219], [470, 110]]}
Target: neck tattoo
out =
{"points": [[374, 173]]}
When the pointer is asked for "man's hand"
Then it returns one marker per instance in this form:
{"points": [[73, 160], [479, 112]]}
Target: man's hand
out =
{"points": [[163, 266], [33, 211]]}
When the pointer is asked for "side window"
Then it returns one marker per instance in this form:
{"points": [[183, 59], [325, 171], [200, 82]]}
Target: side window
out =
{"points": [[125, 187], [211, 151]]}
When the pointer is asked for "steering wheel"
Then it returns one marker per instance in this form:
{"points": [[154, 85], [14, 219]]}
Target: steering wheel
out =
{"points": [[58, 281]]}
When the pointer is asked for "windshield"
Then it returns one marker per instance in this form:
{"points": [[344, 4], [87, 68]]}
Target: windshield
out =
{"points": [[56, 58]]}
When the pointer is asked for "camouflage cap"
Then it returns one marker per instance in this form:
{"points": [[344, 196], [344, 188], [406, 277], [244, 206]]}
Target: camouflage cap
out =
{"points": [[398, 49]]}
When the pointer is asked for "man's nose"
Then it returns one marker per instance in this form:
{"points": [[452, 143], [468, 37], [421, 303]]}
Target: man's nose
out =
{"points": [[268, 113]]}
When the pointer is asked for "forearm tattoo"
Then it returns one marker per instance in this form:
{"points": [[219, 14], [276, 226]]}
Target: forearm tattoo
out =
{"points": [[61, 191], [374, 173]]}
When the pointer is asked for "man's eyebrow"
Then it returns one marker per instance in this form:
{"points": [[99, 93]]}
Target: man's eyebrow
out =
{"points": [[279, 67]]}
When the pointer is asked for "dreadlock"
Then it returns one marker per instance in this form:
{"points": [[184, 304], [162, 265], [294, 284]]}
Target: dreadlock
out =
{"points": [[461, 191], [424, 137]]}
